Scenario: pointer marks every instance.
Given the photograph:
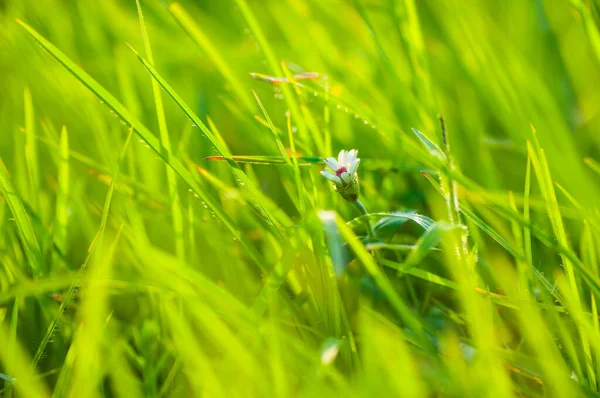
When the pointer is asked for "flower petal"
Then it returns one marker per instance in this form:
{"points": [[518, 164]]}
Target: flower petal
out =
{"points": [[354, 166], [351, 157], [347, 177], [341, 157], [331, 177], [332, 163]]}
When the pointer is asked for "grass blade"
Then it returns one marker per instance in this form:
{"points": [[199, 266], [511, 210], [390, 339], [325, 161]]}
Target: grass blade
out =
{"points": [[62, 198], [240, 176], [176, 209], [31, 152], [145, 134]]}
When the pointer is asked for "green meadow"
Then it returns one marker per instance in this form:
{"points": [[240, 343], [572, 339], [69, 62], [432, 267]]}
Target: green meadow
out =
{"points": [[165, 229]]}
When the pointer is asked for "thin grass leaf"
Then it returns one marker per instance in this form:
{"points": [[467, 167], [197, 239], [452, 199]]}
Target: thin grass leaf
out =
{"points": [[31, 152], [145, 134], [542, 171], [240, 176], [430, 145], [176, 207], [423, 221]]}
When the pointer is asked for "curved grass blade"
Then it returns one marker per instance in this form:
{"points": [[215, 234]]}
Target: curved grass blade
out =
{"points": [[425, 222], [240, 176], [145, 134], [430, 145]]}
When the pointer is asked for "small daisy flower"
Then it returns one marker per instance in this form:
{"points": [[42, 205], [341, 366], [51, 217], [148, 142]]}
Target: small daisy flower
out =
{"points": [[343, 174]]}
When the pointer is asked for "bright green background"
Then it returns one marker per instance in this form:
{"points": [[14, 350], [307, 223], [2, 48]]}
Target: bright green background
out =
{"points": [[200, 281]]}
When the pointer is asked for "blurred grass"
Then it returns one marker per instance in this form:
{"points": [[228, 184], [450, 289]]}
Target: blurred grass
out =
{"points": [[251, 276]]}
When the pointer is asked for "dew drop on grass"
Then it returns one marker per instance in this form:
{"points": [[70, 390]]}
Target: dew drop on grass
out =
{"points": [[339, 106]]}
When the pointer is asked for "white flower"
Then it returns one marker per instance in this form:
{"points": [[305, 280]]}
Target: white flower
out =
{"points": [[344, 176]]}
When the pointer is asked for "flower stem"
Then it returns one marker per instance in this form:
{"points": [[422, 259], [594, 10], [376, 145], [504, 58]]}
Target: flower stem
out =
{"points": [[361, 207]]}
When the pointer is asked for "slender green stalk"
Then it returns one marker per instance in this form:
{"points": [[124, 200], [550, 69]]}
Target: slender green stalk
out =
{"points": [[363, 210]]}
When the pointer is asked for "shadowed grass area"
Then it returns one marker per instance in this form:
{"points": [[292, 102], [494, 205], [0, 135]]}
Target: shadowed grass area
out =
{"points": [[165, 230]]}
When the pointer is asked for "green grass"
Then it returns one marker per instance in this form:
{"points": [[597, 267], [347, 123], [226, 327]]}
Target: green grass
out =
{"points": [[165, 231]]}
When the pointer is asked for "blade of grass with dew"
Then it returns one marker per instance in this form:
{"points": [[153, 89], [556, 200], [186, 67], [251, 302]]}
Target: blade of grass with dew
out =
{"points": [[194, 30], [240, 176], [145, 134], [22, 221], [176, 209]]}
